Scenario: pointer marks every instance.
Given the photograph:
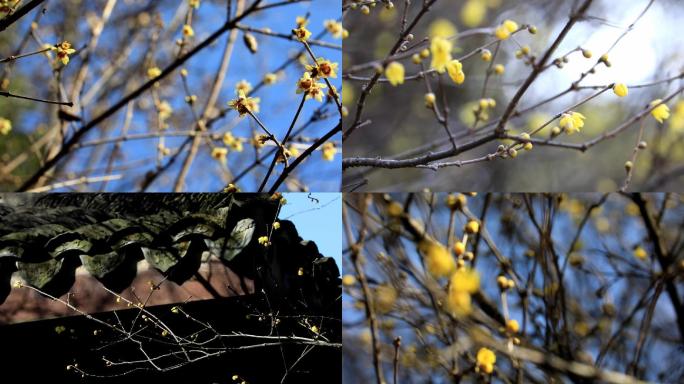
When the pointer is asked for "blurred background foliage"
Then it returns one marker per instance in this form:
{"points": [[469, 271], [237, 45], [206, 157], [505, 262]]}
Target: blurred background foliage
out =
{"points": [[400, 122]]}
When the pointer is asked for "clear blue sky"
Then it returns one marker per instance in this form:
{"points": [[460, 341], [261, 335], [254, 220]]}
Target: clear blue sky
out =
{"points": [[318, 221]]}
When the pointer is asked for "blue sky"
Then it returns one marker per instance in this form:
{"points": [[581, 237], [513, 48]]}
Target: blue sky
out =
{"points": [[318, 221]]}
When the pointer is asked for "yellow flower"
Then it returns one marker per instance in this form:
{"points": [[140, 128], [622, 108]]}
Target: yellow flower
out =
{"points": [[661, 112], [294, 152], [6, 6], [463, 283], [485, 360], [620, 90], [440, 48], [501, 32], [395, 209], [301, 21], [465, 280], [194, 3], [315, 90], [63, 51], [512, 326], [455, 70], [164, 110], [456, 201], [640, 253], [430, 99], [304, 83], [328, 150], [302, 34], [244, 104], [334, 28], [486, 55], [572, 122], [270, 78], [232, 142], [263, 240], [510, 25], [385, 297], [258, 141], [188, 31], [348, 280], [472, 227], [219, 153], [153, 72], [459, 248], [442, 28], [276, 225], [5, 126], [499, 69], [243, 85], [323, 68], [438, 261], [395, 73], [677, 122], [473, 13]]}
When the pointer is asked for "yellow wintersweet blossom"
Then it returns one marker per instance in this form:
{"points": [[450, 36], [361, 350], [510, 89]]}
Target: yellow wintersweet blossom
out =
{"points": [[485, 360], [263, 240], [499, 69], [486, 55], [323, 68], [270, 78], [302, 34], [463, 283], [677, 122], [441, 53], [194, 3], [501, 33], [472, 227], [661, 112], [504, 30], [459, 248], [328, 150], [640, 253], [455, 70], [442, 28], [244, 104], [188, 31], [473, 13], [438, 260], [63, 51], [572, 122], [153, 72], [164, 110], [334, 28], [512, 326], [244, 86], [233, 142], [7, 6], [294, 151], [5, 126], [348, 280], [510, 25], [301, 21], [310, 87], [430, 99], [395, 73], [219, 153], [620, 89], [385, 297]]}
